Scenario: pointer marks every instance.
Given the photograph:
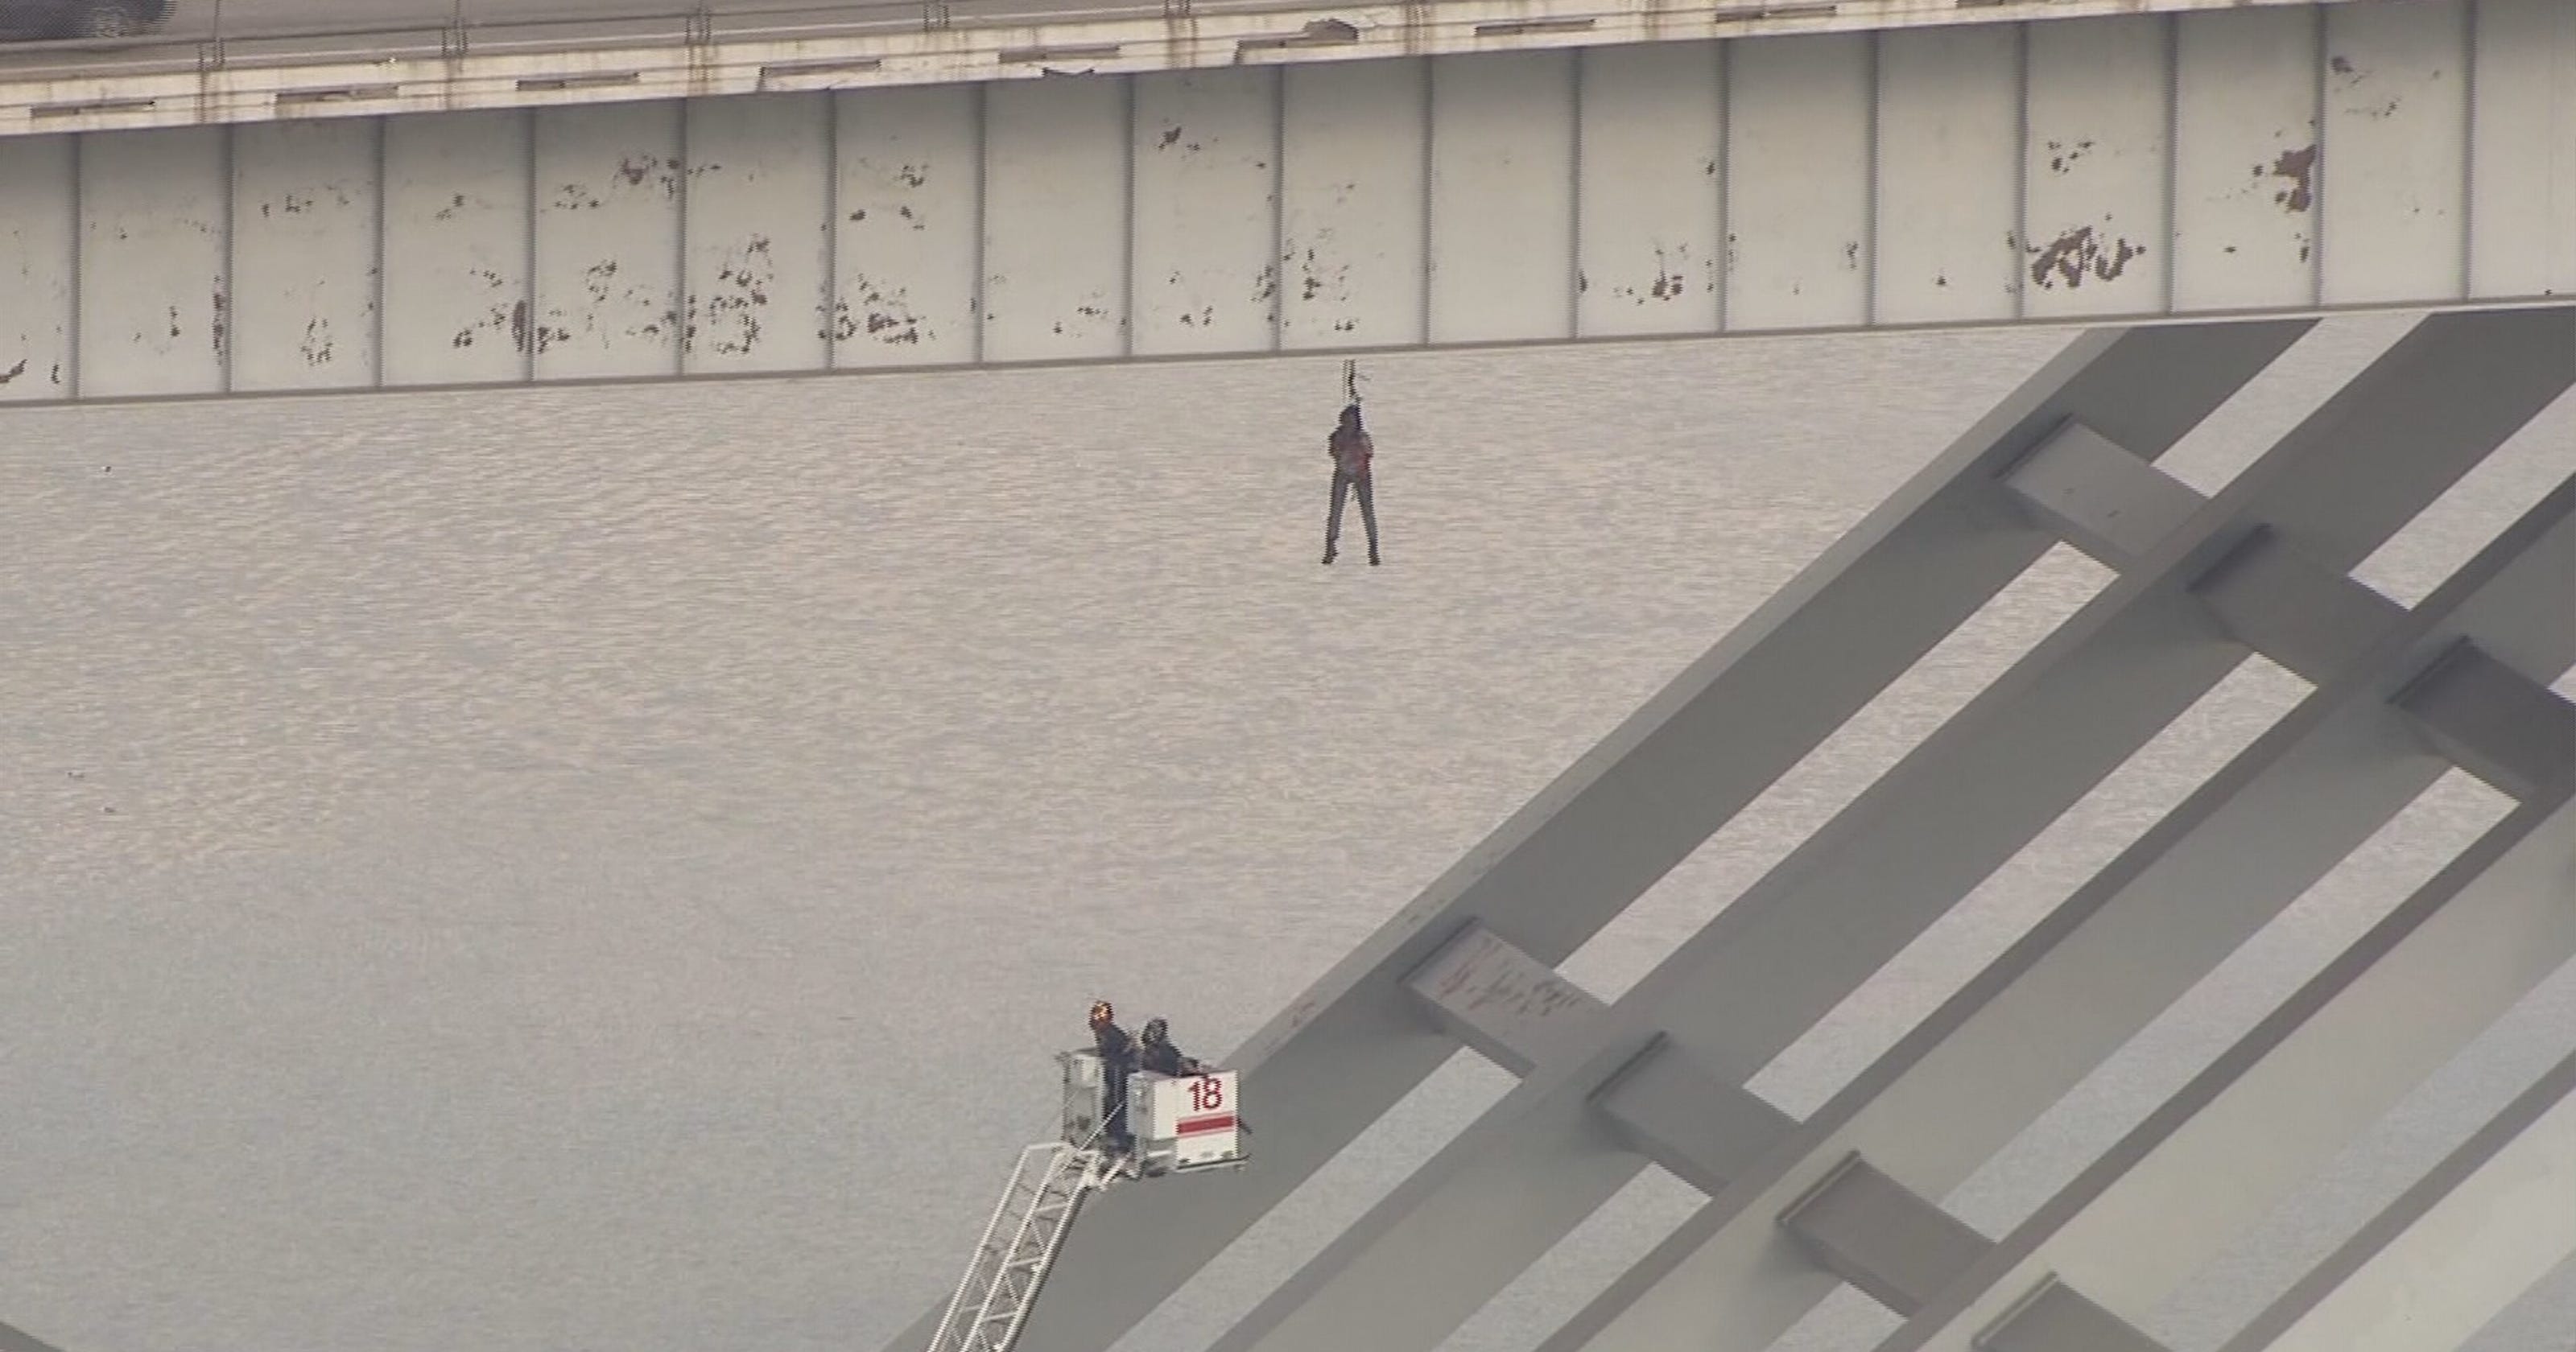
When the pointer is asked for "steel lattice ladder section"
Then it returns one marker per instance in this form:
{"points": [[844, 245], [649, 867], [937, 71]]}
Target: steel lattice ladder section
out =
{"points": [[1019, 1245]]}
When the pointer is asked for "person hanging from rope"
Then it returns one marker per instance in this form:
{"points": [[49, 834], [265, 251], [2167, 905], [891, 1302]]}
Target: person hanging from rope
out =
{"points": [[1117, 1059], [1351, 450]]}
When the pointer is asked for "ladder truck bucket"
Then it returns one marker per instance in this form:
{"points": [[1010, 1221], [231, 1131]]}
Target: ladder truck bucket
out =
{"points": [[1180, 1124]]}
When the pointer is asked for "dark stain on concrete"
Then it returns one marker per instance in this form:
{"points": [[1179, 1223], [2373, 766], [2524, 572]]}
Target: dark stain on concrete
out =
{"points": [[880, 312], [2298, 168], [2080, 253], [734, 312]]}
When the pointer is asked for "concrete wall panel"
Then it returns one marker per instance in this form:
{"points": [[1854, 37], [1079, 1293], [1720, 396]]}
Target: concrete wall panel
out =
{"points": [[608, 188], [2245, 167], [1651, 151], [2523, 179], [1798, 152], [1502, 197], [2095, 167], [1055, 225], [907, 226], [759, 233], [1352, 199], [1949, 165], [155, 257], [38, 258], [1207, 211], [457, 249], [304, 254], [2396, 150]]}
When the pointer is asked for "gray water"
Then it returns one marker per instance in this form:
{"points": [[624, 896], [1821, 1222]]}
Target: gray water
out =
{"points": [[603, 869]]}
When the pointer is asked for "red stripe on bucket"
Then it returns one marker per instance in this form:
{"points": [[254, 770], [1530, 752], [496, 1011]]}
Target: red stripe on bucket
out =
{"points": [[1193, 1126]]}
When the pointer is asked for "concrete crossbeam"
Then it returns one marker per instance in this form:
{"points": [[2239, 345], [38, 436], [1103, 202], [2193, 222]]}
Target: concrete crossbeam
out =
{"points": [[1867, 1228], [1882, 1236], [2055, 1318], [2312, 619], [2309, 618], [1699, 1127], [2100, 498], [2496, 723], [1499, 1000], [1632, 808], [2211, 1161], [2453, 1251], [2102, 965], [1517, 1011], [1803, 938], [11, 1340]]}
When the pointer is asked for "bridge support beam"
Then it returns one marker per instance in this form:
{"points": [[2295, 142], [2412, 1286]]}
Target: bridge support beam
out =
{"points": [[2453, 1252], [11, 1340], [2101, 966], [2289, 157], [2381, 1017], [1783, 954]]}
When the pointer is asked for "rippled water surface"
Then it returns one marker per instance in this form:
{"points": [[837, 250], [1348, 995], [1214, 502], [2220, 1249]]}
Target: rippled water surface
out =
{"points": [[603, 869]]}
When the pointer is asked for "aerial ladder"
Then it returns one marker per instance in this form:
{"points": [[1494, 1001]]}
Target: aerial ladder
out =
{"points": [[1178, 1123]]}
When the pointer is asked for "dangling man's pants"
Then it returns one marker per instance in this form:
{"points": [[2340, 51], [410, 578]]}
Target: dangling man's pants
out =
{"points": [[1343, 484]]}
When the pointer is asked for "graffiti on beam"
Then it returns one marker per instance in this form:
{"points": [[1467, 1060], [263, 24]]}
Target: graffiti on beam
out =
{"points": [[731, 316], [1671, 278], [2080, 253], [881, 313]]}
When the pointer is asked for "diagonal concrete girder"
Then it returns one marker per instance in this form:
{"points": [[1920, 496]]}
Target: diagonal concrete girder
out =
{"points": [[2453, 1251], [1652, 791], [2386, 1013], [11, 1340], [1811, 931], [2424, 678], [2136, 937]]}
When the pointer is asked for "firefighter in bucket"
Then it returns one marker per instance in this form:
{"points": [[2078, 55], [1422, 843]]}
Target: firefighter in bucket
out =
{"points": [[1146, 1104]]}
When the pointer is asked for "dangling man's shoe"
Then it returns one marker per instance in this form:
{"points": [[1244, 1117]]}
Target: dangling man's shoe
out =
{"points": [[1328, 558], [1372, 558]]}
